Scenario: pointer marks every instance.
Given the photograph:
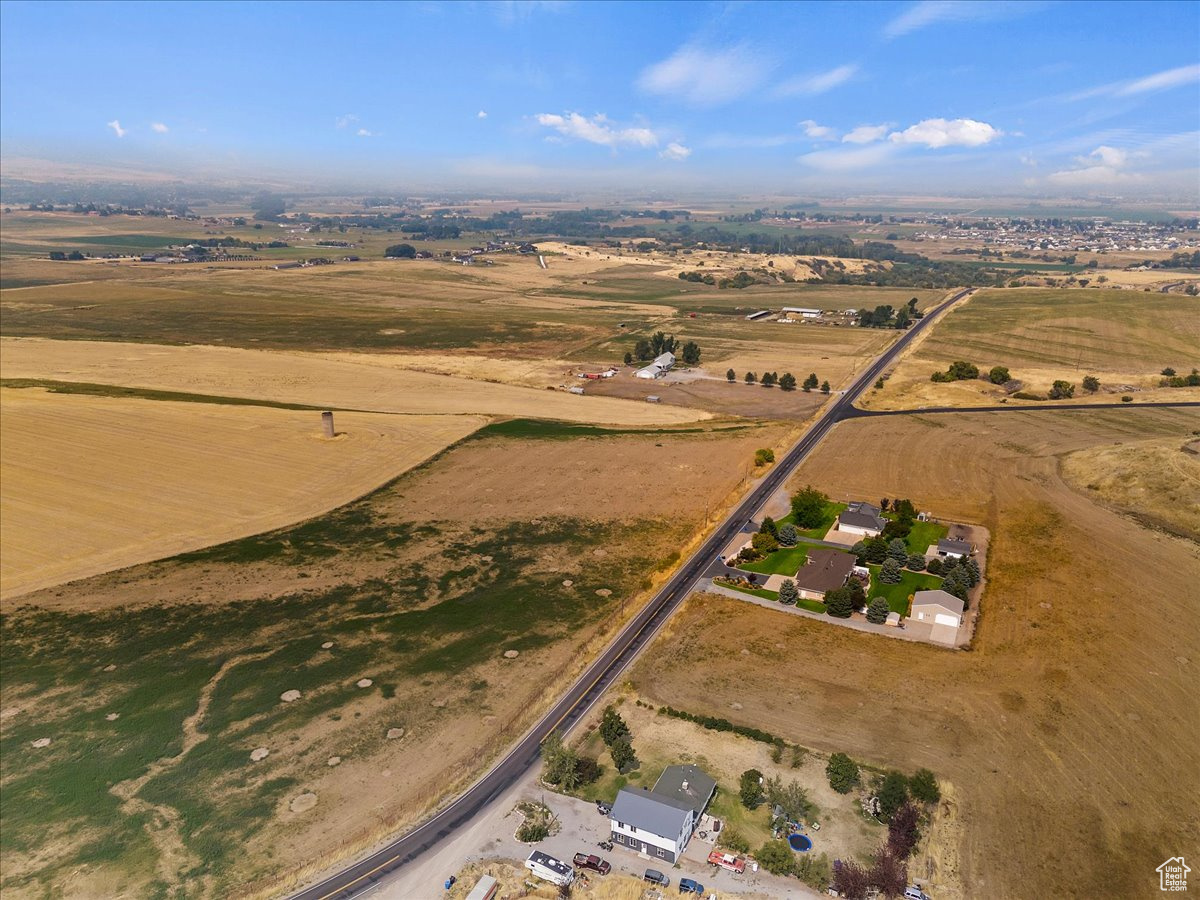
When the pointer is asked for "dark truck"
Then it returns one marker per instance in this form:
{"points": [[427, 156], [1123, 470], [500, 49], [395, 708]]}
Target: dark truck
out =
{"points": [[595, 863]]}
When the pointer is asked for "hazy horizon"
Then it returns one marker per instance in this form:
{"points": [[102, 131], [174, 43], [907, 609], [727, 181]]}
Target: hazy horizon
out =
{"points": [[946, 98]]}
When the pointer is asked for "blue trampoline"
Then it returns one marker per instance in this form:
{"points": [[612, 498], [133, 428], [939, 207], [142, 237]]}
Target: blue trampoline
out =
{"points": [[800, 843]]}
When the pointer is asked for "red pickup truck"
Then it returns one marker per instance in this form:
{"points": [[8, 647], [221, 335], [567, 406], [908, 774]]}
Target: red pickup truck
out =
{"points": [[595, 863]]}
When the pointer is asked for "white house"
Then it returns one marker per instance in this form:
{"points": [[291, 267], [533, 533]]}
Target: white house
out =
{"points": [[660, 367], [862, 518], [940, 609], [660, 823]]}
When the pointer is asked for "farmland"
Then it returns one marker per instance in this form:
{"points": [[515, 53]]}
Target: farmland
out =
{"points": [[1124, 338], [1050, 730], [155, 683]]}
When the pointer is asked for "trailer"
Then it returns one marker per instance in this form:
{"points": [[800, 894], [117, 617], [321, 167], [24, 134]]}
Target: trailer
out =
{"points": [[547, 868]]}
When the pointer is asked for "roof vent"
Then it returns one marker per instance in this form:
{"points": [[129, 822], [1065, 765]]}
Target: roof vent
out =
{"points": [[684, 786]]}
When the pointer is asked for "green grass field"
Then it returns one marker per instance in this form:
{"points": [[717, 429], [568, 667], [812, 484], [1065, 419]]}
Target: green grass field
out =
{"points": [[924, 534], [897, 594], [832, 511]]}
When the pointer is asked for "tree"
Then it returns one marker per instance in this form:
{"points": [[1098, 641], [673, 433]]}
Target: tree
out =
{"points": [[902, 831], [731, 376], [734, 840], [850, 879], [751, 378], [915, 562], [1091, 383], [764, 542], [268, 206], [628, 358], [876, 550], [750, 788], [811, 381], [1168, 371], [776, 857], [623, 756], [808, 507], [768, 524], [963, 371], [888, 873], [57, 255], [691, 353], [889, 572], [893, 792], [790, 797], [839, 603], [1062, 390], [898, 550], [877, 611], [401, 251], [613, 727], [788, 535], [934, 566], [75, 256], [903, 318], [769, 379], [879, 384], [787, 382], [998, 375], [560, 764], [884, 502], [764, 457], [842, 772], [924, 787], [642, 349], [788, 593]]}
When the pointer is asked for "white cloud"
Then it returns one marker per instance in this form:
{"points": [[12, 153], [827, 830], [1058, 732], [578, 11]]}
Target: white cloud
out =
{"points": [[362, 132], [847, 160], [865, 134], [706, 77], [817, 132], [160, 128], [482, 114], [934, 12], [115, 125], [819, 83], [947, 133], [597, 130], [345, 121], [1160, 81], [1103, 166], [676, 152]]}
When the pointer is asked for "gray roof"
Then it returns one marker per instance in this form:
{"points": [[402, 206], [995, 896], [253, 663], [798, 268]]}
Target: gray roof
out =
{"points": [[861, 514], [941, 598], [825, 570], [655, 813], [699, 790], [954, 545]]}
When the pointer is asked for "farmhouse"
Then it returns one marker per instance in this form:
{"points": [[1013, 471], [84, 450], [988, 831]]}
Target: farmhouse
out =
{"points": [[660, 367], [862, 518], [942, 610], [954, 548], [660, 823], [823, 571]]}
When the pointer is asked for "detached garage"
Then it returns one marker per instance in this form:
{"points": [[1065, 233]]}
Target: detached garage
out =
{"points": [[940, 609]]}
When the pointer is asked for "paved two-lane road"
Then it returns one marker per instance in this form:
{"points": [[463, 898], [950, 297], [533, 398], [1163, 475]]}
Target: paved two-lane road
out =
{"points": [[601, 674]]}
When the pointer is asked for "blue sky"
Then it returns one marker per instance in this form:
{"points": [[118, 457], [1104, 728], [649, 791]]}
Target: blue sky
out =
{"points": [[996, 97]]}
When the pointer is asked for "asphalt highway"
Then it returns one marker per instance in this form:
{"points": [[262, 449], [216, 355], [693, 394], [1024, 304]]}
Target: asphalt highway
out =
{"points": [[604, 671]]}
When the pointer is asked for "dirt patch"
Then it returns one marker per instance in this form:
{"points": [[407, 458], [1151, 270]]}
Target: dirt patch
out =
{"points": [[303, 803], [1036, 720]]}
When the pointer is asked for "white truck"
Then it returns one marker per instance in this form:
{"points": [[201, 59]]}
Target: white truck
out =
{"points": [[547, 868]]}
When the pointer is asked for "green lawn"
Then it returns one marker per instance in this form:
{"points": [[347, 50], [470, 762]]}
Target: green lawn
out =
{"points": [[832, 511], [811, 605], [786, 561], [897, 594], [923, 534]]}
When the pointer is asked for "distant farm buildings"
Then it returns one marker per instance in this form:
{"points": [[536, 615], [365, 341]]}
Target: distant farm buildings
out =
{"points": [[802, 312], [660, 367]]}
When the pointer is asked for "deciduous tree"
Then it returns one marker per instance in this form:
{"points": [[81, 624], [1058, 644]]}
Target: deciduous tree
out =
{"points": [[750, 790], [924, 787], [808, 507], [842, 772]]}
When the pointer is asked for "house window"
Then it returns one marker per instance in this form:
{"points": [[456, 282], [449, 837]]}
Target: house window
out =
{"points": [[662, 853]]}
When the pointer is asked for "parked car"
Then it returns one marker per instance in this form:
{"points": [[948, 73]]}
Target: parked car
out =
{"points": [[603, 808], [656, 877], [593, 862], [912, 892], [688, 886]]}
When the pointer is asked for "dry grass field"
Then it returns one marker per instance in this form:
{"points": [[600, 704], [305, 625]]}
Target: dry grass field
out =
{"points": [[1123, 338], [93, 484], [364, 381], [155, 684], [1068, 731]]}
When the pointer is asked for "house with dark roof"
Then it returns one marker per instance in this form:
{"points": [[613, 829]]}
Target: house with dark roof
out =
{"points": [[954, 548], [659, 823], [862, 518], [824, 571]]}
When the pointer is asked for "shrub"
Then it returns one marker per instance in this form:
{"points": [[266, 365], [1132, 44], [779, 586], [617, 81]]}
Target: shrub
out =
{"points": [[776, 857], [878, 611], [1125, 398], [764, 542], [1168, 371], [1062, 390], [893, 792], [916, 562], [999, 375], [734, 840], [924, 787], [750, 790], [813, 870], [788, 592], [731, 375], [764, 457], [1091, 383], [532, 832], [842, 772]]}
